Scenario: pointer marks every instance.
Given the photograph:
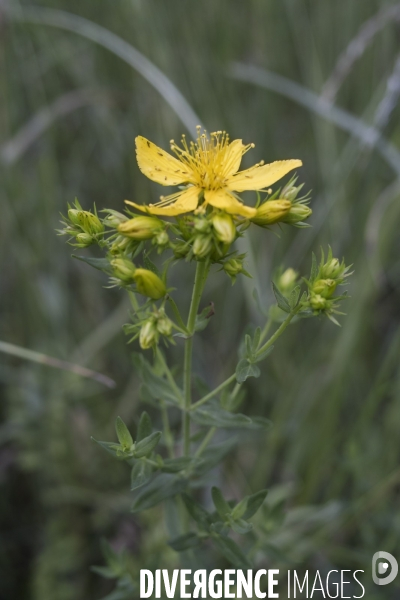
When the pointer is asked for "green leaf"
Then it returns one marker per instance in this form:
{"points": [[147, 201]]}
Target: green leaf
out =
{"points": [[232, 552], [220, 503], [105, 572], [214, 455], [174, 465], [294, 297], [124, 437], [254, 502], [161, 487], [245, 369], [280, 299], [140, 475], [158, 387], [146, 446], [148, 264], [113, 449], [144, 428], [184, 542], [102, 264], [203, 318], [314, 268], [240, 526], [211, 415], [196, 511], [256, 339]]}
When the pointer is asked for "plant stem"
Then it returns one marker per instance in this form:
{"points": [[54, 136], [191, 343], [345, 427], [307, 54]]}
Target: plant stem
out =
{"points": [[217, 390], [200, 278], [279, 331], [170, 377], [266, 329], [205, 442]]}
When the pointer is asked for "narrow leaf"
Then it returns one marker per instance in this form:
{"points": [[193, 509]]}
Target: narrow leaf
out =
{"points": [[220, 503], [144, 428], [124, 437], [232, 552], [160, 488], [184, 542], [280, 299], [146, 446], [140, 475]]}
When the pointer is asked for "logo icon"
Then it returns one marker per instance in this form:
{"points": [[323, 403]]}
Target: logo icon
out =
{"points": [[381, 561]]}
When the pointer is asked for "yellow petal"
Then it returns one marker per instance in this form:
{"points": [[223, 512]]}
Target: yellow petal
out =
{"points": [[258, 178], [187, 202], [159, 165], [225, 201], [232, 158]]}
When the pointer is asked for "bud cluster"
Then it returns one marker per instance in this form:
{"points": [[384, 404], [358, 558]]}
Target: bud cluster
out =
{"points": [[284, 207], [150, 327], [82, 225], [324, 280], [147, 282]]}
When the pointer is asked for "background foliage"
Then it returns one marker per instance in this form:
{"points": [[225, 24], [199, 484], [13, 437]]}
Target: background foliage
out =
{"points": [[70, 110]]}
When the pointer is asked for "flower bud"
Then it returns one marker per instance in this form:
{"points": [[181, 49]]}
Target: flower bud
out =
{"points": [[84, 240], [86, 220], [140, 228], [202, 225], [181, 249], [202, 246], [317, 302], [149, 284], [324, 287], [162, 239], [164, 326], [332, 269], [225, 230], [290, 191], [124, 269], [120, 245], [233, 267], [287, 280], [114, 218], [148, 335], [297, 213], [271, 212]]}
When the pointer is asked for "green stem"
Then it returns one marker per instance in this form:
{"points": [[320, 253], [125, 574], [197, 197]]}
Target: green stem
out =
{"points": [[170, 377], [214, 393], [205, 442], [279, 331], [200, 278], [266, 329]]}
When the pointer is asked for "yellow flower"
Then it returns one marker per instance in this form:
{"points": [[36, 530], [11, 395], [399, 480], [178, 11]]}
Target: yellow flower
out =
{"points": [[209, 168]]}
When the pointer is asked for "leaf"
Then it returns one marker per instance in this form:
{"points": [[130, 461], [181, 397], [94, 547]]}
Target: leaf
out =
{"points": [[112, 448], [102, 264], [280, 299], [240, 526], [124, 437], [214, 455], [211, 415], [254, 502], [204, 317], [149, 264], [158, 387], [105, 572], [184, 542], [220, 503], [146, 446], [232, 552], [145, 427], [161, 487], [314, 268], [245, 369], [196, 511], [294, 297], [174, 465], [140, 474]]}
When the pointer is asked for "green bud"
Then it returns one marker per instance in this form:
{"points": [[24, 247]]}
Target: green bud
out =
{"points": [[332, 269], [120, 245], [140, 228], [84, 240], [149, 284], [287, 280], [202, 225], [114, 218], [224, 227], [271, 212], [290, 191], [233, 267], [181, 249], [164, 326], [162, 239], [298, 213], [202, 246], [89, 222], [148, 335], [317, 302], [73, 216], [124, 269], [324, 287]]}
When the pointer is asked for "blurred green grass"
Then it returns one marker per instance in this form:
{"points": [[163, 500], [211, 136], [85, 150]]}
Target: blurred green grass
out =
{"points": [[332, 394]]}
